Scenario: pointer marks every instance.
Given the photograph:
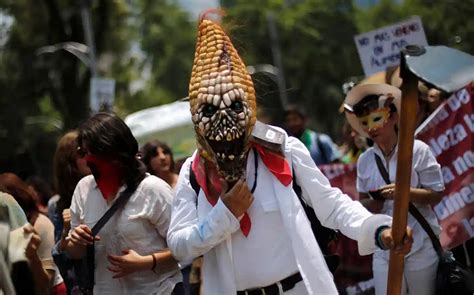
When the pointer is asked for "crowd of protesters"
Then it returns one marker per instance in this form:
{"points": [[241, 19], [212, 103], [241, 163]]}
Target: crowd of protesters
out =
{"points": [[101, 161], [123, 220]]}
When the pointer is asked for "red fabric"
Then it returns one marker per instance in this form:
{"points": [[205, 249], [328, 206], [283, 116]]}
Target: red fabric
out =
{"points": [[206, 172], [59, 289], [107, 174], [276, 163]]}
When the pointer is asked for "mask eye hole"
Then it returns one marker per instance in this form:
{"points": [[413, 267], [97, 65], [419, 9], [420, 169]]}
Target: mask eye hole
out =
{"points": [[376, 119], [208, 110], [364, 123], [237, 106]]}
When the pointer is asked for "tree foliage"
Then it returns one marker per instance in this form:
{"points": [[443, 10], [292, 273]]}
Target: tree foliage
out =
{"points": [[148, 47], [44, 95], [166, 37], [315, 39]]}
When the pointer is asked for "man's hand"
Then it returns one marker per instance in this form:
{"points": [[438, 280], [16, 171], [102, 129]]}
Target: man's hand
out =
{"points": [[82, 235], [402, 249], [238, 199], [388, 191]]}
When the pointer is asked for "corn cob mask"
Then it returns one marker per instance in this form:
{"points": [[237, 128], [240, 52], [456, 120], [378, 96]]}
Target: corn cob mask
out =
{"points": [[222, 99]]}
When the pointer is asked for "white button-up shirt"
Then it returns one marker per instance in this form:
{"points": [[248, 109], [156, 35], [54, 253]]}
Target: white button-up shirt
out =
{"points": [[426, 173], [141, 225], [197, 228]]}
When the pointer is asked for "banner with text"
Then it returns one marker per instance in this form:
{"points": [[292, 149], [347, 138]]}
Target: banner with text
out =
{"points": [[450, 136], [380, 48]]}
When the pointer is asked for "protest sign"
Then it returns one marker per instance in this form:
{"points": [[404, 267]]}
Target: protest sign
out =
{"points": [[380, 48], [102, 94], [450, 134]]}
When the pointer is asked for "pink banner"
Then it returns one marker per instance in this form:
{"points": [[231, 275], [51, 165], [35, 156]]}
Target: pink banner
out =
{"points": [[450, 136], [354, 273]]}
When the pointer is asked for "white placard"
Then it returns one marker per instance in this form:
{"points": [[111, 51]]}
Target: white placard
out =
{"points": [[102, 94], [380, 48]]}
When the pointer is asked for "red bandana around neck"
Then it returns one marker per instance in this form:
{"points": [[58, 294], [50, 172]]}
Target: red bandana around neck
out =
{"points": [[206, 173], [276, 163], [108, 174]]}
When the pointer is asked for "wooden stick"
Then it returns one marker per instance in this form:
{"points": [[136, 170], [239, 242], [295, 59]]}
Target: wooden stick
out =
{"points": [[403, 180]]}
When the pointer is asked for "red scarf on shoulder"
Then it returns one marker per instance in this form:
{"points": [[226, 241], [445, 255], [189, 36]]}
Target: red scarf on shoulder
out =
{"points": [[208, 178]]}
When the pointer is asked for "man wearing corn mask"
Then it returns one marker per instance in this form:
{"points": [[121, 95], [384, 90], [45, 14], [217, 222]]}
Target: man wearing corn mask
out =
{"points": [[244, 216]]}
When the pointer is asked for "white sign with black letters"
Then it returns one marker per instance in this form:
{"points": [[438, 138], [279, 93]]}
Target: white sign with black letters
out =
{"points": [[102, 94], [380, 48]]}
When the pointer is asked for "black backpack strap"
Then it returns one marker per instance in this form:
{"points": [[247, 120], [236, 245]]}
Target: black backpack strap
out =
{"points": [[321, 149], [192, 180], [413, 210]]}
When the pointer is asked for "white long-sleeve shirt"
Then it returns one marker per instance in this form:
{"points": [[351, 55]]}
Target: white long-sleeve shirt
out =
{"points": [[197, 228]]}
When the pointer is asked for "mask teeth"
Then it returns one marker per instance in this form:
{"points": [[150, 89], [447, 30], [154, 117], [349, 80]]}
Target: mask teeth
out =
{"points": [[219, 76]]}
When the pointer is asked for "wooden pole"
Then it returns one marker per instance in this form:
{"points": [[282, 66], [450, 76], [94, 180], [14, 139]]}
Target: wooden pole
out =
{"points": [[403, 177]]}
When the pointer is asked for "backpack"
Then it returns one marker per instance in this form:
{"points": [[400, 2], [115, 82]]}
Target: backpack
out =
{"points": [[322, 234]]}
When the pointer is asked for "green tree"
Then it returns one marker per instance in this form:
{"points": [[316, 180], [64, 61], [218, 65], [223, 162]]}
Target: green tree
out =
{"points": [[167, 39], [38, 91], [318, 54], [44, 95]]}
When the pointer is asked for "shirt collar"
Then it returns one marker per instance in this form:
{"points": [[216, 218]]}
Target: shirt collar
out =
{"points": [[379, 152]]}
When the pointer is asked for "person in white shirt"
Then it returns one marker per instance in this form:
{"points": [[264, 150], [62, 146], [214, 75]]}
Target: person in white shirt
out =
{"points": [[131, 254], [372, 110], [246, 219]]}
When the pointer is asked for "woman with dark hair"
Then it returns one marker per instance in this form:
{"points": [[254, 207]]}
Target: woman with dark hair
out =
{"points": [[41, 191], [131, 253], [158, 159], [373, 111], [38, 252], [68, 169]]}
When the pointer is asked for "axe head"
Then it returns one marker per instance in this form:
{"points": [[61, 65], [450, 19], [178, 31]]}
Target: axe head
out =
{"points": [[445, 68]]}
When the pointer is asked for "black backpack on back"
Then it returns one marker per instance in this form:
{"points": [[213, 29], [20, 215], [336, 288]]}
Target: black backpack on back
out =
{"points": [[322, 234]]}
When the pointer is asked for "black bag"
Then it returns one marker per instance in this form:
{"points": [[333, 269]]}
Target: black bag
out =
{"points": [[322, 234], [451, 276], [84, 268]]}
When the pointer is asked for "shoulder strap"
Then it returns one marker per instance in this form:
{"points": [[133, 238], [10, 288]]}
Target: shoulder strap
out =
{"points": [[413, 210], [382, 169], [119, 203], [424, 224], [192, 180], [321, 148]]}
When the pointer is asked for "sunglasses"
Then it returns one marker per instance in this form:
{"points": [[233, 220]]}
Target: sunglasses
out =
{"points": [[82, 151]]}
